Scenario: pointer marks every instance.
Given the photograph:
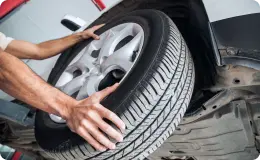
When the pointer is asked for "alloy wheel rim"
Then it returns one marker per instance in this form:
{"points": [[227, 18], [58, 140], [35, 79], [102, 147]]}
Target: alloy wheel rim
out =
{"points": [[102, 62]]}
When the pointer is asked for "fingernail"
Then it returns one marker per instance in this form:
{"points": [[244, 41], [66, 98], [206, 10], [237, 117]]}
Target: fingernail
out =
{"points": [[113, 146], [120, 139], [103, 149], [123, 127]]}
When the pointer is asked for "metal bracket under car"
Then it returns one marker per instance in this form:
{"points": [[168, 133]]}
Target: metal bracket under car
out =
{"points": [[226, 128], [16, 113]]}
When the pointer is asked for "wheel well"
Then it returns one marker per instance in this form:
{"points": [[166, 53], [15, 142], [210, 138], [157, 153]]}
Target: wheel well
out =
{"points": [[192, 20]]}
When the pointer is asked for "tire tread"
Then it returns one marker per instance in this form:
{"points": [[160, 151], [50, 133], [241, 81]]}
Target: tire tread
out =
{"points": [[155, 109]]}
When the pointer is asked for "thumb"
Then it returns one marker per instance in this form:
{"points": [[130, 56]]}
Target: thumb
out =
{"points": [[96, 37]]}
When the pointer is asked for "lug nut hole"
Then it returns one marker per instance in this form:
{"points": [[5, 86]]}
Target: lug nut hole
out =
{"points": [[236, 81]]}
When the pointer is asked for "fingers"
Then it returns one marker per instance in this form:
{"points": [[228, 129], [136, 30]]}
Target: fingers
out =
{"points": [[98, 96], [90, 32], [84, 134], [94, 36], [108, 129], [104, 93], [97, 27], [71, 127], [111, 116], [98, 135]]}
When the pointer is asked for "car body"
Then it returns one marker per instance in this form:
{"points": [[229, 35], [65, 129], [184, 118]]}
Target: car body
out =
{"points": [[37, 21], [231, 30]]}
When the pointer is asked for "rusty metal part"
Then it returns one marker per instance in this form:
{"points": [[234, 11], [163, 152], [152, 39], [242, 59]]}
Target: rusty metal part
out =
{"points": [[220, 100], [230, 76], [232, 51]]}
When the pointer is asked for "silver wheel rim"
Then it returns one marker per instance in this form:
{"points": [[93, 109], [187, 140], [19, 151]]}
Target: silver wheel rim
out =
{"points": [[113, 56]]}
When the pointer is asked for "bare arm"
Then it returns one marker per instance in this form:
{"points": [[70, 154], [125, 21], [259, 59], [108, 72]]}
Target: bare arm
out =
{"points": [[84, 117], [27, 50]]}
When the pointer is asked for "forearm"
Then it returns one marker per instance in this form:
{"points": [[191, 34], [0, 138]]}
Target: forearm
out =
{"points": [[27, 50], [51, 48], [19, 81]]}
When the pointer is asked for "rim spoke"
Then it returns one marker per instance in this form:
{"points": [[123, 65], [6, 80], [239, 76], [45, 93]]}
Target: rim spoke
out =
{"points": [[57, 119], [84, 61], [90, 87], [134, 44], [113, 40], [64, 79], [115, 62], [74, 85], [128, 49], [123, 58]]}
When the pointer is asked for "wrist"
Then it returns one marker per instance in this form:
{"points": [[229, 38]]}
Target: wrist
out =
{"points": [[62, 104], [65, 109], [79, 36]]}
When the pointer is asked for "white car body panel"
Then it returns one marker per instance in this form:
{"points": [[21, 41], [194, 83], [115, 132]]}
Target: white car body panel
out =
{"points": [[38, 21], [223, 9]]}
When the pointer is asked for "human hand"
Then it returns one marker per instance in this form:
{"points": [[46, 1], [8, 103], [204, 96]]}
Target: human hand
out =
{"points": [[90, 32], [86, 118]]}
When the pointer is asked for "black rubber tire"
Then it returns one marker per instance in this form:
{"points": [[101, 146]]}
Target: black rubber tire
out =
{"points": [[151, 101]]}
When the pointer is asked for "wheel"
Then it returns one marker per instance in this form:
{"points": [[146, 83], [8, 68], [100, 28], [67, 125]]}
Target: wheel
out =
{"points": [[145, 52]]}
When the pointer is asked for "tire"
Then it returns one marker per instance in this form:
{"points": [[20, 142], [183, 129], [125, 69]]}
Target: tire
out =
{"points": [[151, 100]]}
